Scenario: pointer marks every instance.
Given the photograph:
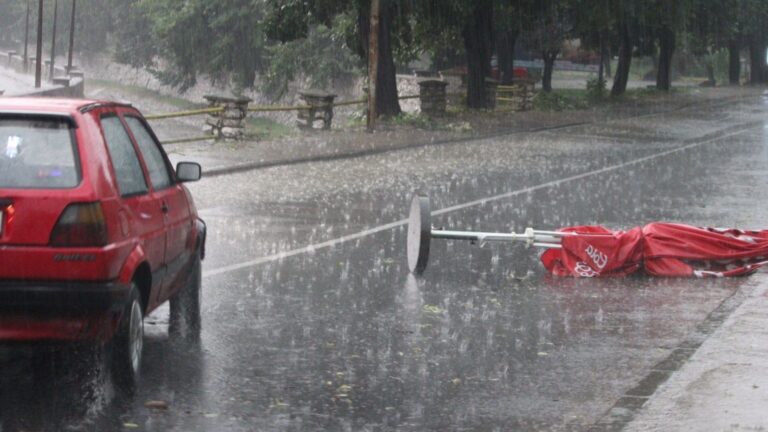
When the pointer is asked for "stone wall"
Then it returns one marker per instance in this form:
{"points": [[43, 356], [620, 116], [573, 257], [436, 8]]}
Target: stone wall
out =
{"points": [[65, 85]]}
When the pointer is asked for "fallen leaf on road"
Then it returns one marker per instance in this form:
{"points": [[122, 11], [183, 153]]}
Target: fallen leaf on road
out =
{"points": [[156, 404]]}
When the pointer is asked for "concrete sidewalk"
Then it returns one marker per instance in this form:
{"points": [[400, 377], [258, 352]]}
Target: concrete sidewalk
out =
{"points": [[724, 384], [13, 83]]}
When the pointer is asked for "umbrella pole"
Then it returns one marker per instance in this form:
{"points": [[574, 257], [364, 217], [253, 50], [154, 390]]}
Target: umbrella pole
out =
{"points": [[530, 237]]}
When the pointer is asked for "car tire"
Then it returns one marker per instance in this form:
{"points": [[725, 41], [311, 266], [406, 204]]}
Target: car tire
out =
{"points": [[185, 314], [127, 346]]}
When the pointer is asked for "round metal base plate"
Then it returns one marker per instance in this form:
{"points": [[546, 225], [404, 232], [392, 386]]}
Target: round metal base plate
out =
{"points": [[419, 234]]}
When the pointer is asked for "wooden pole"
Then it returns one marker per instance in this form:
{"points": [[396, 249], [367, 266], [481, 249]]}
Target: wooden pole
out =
{"points": [[53, 38], [71, 36], [373, 64], [26, 40], [39, 51]]}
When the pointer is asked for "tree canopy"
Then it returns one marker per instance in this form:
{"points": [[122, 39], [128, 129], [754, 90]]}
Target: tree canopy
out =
{"points": [[272, 43]]}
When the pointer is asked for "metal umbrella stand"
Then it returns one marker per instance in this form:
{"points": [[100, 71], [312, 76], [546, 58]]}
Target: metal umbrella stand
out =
{"points": [[421, 232], [658, 248]]}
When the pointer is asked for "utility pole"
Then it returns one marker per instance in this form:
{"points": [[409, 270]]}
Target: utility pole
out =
{"points": [[39, 52], [53, 38], [373, 63], [26, 40], [71, 36]]}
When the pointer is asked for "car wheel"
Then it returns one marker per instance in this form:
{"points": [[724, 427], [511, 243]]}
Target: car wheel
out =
{"points": [[127, 346], [185, 320]]}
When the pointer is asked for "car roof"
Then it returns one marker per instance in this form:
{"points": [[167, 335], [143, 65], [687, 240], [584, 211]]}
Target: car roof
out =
{"points": [[52, 105]]}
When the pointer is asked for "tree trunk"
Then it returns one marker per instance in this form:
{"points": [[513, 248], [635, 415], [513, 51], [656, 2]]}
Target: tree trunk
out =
{"points": [[606, 56], [601, 68], [478, 41], [757, 58], [710, 67], [549, 65], [666, 50], [734, 62], [387, 102], [625, 60], [505, 47]]}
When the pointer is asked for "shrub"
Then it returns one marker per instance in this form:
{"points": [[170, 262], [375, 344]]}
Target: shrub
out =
{"points": [[596, 89]]}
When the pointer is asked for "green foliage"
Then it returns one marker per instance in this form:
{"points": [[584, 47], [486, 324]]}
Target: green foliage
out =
{"points": [[720, 62], [12, 14], [321, 57], [317, 40], [415, 120], [264, 128], [596, 89], [132, 31], [560, 101], [221, 39], [97, 24]]}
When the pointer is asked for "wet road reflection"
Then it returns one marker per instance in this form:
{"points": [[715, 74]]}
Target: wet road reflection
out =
{"points": [[343, 338]]}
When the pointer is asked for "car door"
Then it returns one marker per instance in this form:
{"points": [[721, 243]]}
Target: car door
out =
{"points": [[138, 205], [176, 214]]}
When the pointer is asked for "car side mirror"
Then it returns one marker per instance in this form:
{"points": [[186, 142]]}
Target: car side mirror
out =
{"points": [[188, 171]]}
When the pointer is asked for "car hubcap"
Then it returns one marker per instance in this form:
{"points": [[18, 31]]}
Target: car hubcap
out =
{"points": [[136, 335]]}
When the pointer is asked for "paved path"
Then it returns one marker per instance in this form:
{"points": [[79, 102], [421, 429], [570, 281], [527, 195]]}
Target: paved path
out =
{"points": [[724, 385], [13, 83]]}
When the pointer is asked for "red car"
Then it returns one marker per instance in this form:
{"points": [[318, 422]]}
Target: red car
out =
{"points": [[96, 228]]}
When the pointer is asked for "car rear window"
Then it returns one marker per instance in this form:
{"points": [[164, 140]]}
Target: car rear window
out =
{"points": [[37, 153]]}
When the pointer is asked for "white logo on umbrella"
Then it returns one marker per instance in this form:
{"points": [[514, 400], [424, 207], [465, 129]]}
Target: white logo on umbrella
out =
{"points": [[600, 259], [584, 270]]}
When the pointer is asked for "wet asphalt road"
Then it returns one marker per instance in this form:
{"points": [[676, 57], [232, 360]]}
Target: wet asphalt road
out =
{"points": [[312, 322]]}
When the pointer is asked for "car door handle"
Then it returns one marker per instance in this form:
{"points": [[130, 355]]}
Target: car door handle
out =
{"points": [[164, 208]]}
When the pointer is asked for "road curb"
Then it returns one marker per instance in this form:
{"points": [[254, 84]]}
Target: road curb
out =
{"points": [[626, 408]]}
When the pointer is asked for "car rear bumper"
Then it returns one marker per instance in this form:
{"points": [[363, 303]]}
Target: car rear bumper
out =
{"points": [[31, 311], [62, 298]]}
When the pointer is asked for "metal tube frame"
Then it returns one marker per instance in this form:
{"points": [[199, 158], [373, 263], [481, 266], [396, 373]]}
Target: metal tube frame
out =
{"points": [[531, 237]]}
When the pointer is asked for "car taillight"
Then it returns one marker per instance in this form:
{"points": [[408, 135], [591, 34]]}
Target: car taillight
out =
{"points": [[80, 225]]}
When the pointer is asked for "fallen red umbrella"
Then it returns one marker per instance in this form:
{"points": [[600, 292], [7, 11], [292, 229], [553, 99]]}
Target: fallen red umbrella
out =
{"points": [[659, 249]]}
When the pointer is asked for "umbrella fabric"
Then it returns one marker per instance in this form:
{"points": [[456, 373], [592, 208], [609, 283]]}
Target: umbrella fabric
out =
{"points": [[659, 249]]}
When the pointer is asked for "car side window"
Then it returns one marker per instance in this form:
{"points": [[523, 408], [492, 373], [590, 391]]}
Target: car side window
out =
{"points": [[153, 157], [130, 176]]}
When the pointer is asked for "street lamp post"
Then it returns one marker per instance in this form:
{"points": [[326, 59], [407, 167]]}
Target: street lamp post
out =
{"points": [[39, 51], [53, 37], [71, 36], [26, 40]]}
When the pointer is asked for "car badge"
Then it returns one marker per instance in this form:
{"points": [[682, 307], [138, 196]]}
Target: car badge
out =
{"points": [[13, 147]]}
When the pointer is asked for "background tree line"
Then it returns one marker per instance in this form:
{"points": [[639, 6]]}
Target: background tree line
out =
{"points": [[280, 40]]}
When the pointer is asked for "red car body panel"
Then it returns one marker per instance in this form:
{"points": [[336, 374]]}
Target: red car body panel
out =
{"points": [[66, 293]]}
